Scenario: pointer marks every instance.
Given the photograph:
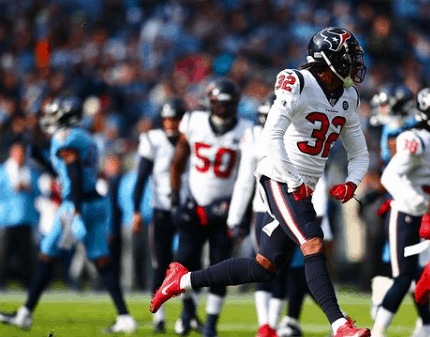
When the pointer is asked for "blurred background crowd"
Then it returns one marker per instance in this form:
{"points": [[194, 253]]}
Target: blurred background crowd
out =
{"points": [[123, 58]]}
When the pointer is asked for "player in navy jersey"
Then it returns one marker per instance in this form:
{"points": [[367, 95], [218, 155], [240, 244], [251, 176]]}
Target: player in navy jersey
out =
{"points": [[83, 214], [313, 108]]}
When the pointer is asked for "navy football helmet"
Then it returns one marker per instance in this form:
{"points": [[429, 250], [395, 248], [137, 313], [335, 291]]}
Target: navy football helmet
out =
{"points": [[224, 98], [62, 111], [340, 51], [171, 113], [392, 104], [173, 108], [263, 109], [423, 106]]}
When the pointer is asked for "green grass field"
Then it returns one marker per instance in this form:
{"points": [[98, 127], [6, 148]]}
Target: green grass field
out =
{"points": [[71, 314]]}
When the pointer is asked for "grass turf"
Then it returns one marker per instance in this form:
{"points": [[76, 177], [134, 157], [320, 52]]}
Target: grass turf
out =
{"points": [[71, 314]]}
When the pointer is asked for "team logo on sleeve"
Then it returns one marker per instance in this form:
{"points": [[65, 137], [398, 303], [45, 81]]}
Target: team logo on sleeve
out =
{"points": [[345, 105], [335, 40]]}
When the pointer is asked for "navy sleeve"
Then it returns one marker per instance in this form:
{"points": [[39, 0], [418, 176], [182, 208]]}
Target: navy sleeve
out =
{"points": [[144, 171], [74, 170], [41, 156]]}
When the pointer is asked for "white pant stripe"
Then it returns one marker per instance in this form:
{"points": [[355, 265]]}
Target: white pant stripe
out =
{"points": [[392, 233], [285, 212]]}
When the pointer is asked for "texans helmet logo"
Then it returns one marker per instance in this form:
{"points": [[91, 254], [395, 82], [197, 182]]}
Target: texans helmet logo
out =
{"points": [[334, 39]]}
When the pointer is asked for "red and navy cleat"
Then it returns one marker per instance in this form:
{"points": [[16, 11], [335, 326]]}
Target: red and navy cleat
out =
{"points": [[422, 290], [349, 330], [170, 287]]}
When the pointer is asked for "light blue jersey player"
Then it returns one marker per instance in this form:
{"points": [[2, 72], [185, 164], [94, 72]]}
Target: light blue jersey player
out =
{"points": [[83, 215]]}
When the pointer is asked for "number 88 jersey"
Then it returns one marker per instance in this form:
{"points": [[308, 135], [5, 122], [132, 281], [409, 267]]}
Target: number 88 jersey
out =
{"points": [[302, 126], [214, 157]]}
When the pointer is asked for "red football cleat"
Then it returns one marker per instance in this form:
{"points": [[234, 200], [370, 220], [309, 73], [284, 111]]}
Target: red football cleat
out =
{"points": [[422, 290], [266, 331], [170, 287], [348, 329]]}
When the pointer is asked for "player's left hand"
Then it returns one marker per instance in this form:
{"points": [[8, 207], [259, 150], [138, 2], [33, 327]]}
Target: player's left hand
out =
{"points": [[343, 192], [425, 227]]}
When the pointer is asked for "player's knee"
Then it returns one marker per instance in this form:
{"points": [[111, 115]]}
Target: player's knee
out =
{"points": [[265, 270], [313, 246], [46, 258], [102, 262]]}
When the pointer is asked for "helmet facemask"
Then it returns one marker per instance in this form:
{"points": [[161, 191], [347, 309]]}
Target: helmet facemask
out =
{"points": [[348, 67]]}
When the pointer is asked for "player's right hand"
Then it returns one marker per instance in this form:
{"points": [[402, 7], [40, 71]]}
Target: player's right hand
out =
{"points": [[137, 222], [425, 227], [302, 192]]}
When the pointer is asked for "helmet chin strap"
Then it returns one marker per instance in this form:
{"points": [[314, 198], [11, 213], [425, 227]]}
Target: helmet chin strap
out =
{"points": [[347, 81]]}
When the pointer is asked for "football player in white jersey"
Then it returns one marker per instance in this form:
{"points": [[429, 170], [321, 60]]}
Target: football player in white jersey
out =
{"points": [[406, 178], [270, 296], [212, 142], [156, 151], [313, 108]]}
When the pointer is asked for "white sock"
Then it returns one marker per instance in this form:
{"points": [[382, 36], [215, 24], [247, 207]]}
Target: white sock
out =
{"points": [[185, 281], [426, 329], [275, 307], [262, 298], [160, 315], [337, 324], [382, 320], [214, 304], [23, 311]]}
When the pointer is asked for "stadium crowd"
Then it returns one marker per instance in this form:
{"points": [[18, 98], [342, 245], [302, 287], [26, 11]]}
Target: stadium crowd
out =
{"points": [[123, 59]]}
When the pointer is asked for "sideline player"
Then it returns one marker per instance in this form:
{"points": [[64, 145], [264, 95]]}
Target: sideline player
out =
{"points": [[406, 178], [83, 214], [313, 108], [156, 151], [212, 142], [391, 109]]}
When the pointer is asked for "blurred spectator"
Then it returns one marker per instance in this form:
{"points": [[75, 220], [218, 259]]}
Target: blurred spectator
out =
{"points": [[18, 183]]}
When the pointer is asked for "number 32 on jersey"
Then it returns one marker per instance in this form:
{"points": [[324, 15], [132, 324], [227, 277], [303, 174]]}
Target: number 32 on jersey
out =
{"points": [[323, 142]]}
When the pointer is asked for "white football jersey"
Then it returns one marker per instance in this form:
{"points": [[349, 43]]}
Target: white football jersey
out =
{"points": [[303, 125], [214, 158], [407, 175], [244, 188], [155, 146]]}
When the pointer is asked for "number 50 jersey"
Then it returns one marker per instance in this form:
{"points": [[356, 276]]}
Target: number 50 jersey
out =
{"points": [[214, 158], [302, 126]]}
